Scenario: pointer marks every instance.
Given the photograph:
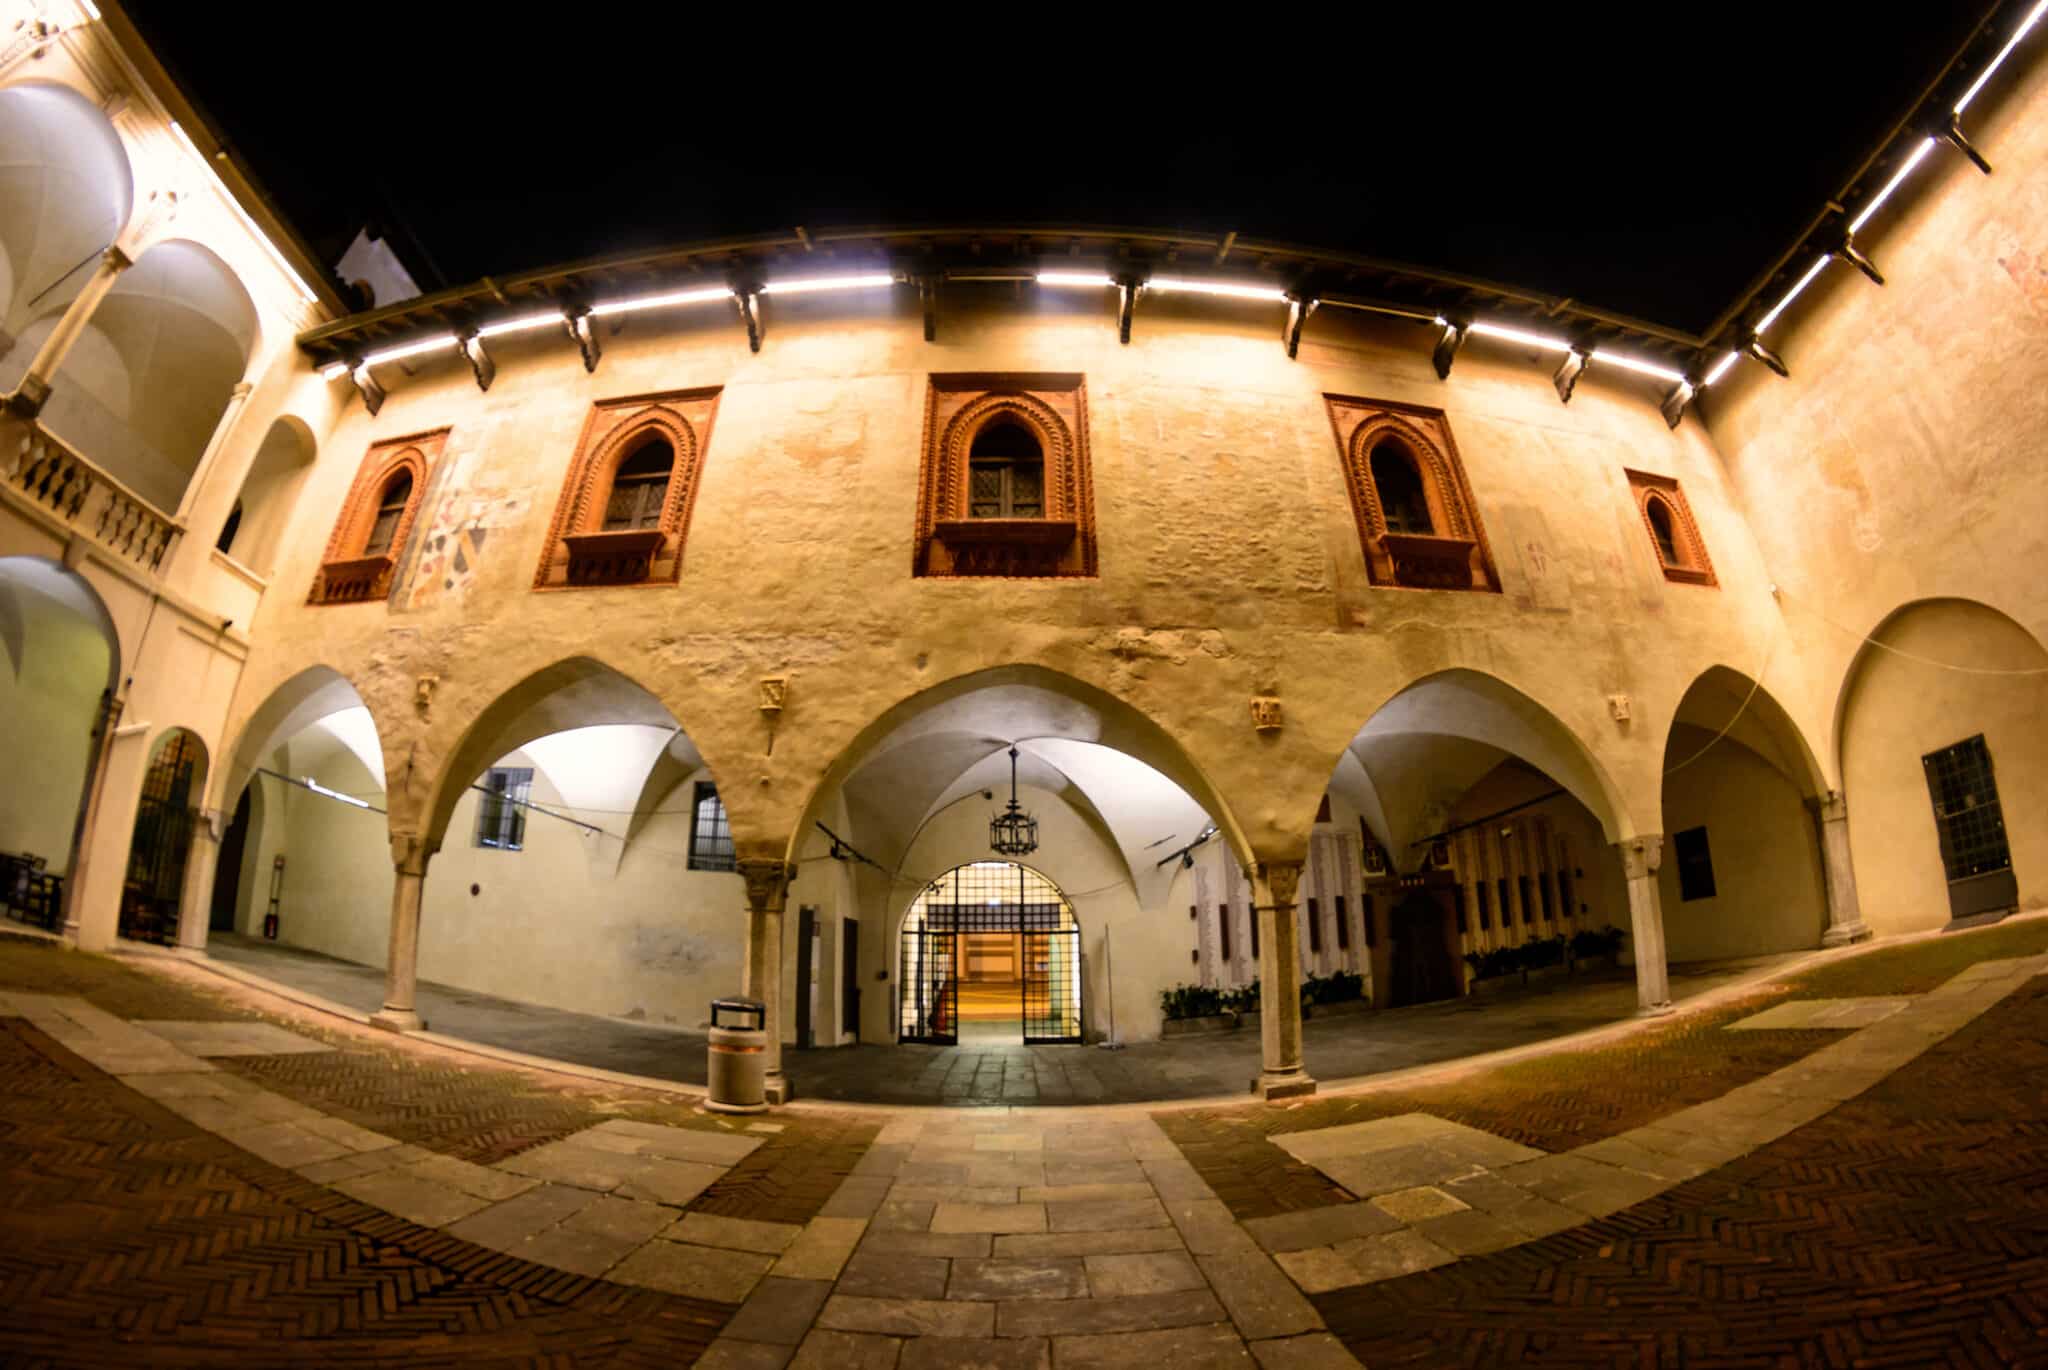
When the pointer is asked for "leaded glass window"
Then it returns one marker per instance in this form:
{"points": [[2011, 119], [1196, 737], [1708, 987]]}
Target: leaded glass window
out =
{"points": [[710, 833], [390, 509], [501, 809], [1005, 474], [640, 489]]}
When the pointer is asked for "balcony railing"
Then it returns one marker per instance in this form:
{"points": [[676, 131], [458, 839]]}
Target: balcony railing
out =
{"points": [[88, 500]]}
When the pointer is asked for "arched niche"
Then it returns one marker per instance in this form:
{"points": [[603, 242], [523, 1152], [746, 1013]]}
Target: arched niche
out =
{"points": [[269, 492]]}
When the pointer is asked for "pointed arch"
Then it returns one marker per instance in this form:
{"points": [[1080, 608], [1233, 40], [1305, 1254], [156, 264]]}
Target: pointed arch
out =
{"points": [[580, 549]]}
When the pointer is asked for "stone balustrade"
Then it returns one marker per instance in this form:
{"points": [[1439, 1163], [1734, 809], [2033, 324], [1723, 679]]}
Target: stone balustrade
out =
{"points": [[85, 498]]}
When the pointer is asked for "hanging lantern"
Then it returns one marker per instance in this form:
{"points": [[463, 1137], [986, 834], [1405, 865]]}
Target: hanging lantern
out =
{"points": [[1013, 832]]}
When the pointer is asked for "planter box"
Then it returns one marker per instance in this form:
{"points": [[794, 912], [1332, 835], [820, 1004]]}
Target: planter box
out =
{"points": [[1189, 1027]]}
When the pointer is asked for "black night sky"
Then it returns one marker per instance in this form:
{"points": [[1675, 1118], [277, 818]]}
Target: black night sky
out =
{"points": [[1648, 159]]}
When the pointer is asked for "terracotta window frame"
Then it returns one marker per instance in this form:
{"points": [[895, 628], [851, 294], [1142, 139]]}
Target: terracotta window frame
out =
{"points": [[349, 573], [1455, 554], [1694, 566], [1057, 544], [579, 552]]}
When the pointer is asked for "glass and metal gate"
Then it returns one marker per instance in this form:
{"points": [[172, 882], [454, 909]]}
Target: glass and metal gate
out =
{"points": [[162, 842], [987, 900]]}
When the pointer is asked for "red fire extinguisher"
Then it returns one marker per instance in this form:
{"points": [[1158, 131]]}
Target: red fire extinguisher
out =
{"points": [[276, 888]]}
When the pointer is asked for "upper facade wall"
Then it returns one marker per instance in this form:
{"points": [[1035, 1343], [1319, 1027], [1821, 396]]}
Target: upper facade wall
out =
{"points": [[1902, 460], [1230, 563]]}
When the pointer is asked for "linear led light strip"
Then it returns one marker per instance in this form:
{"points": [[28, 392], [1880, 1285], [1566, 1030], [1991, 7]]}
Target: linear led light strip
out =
{"points": [[544, 318], [241, 214], [1548, 343]]}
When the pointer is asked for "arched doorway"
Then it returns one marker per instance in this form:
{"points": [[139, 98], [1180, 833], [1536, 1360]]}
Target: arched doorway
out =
{"points": [[172, 788], [991, 953]]}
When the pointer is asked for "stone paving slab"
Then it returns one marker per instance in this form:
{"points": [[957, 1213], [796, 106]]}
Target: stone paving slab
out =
{"points": [[1214, 1347], [1130, 1313], [232, 1039]]}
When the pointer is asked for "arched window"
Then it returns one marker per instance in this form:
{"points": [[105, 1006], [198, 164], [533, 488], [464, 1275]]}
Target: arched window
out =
{"points": [[226, 541], [1660, 531], [1006, 474], [390, 509], [640, 489], [1402, 500], [1681, 555]]}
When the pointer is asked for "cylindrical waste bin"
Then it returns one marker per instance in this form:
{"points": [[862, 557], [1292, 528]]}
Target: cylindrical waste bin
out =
{"points": [[738, 1074]]}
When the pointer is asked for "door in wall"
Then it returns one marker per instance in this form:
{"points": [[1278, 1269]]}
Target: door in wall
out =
{"points": [[1970, 825], [849, 978], [1423, 968]]}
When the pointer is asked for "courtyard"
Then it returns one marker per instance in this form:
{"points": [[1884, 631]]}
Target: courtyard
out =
{"points": [[1814, 1167]]}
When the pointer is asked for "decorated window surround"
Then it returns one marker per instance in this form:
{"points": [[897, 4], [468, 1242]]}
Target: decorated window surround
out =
{"points": [[1454, 555], [1057, 544], [349, 573], [579, 552], [1693, 566]]}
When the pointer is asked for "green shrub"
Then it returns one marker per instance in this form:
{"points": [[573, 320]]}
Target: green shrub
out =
{"points": [[1335, 988], [1543, 951], [1589, 942], [1488, 965], [1190, 1001]]}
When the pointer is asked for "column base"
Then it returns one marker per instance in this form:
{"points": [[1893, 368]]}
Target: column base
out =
{"points": [[1654, 1010], [1842, 936], [776, 1089], [398, 1020], [27, 402], [1283, 1084]]}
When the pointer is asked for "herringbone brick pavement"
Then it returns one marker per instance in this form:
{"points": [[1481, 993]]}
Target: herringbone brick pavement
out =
{"points": [[131, 1237], [457, 1106], [1908, 1227], [1567, 1099]]}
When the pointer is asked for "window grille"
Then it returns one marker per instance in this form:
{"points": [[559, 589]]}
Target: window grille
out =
{"points": [[1507, 910], [1343, 926], [1695, 864], [1253, 911], [390, 509], [710, 833], [1223, 922], [1402, 502], [501, 810], [1528, 904], [1660, 529], [1967, 815], [640, 489], [1485, 905], [1315, 927], [1006, 474]]}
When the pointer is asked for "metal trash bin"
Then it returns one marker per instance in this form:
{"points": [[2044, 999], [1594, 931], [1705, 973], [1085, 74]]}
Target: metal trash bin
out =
{"points": [[738, 1073]]}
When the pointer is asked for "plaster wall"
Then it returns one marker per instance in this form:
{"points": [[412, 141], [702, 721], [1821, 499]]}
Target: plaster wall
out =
{"points": [[1897, 708], [1598, 888], [798, 556], [1769, 892], [1902, 459], [49, 698]]}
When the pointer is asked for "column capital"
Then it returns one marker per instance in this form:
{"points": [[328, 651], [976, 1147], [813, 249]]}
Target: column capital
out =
{"points": [[242, 389], [767, 883], [1279, 881], [1641, 855], [1833, 807], [114, 259], [410, 852]]}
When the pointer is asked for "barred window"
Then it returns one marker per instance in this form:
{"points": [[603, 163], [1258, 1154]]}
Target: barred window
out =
{"points": [[710, 834], [640, 489], [501, 811], [390, 509], [1400, 490], [1006, 474], [1223, 923], [1968, 818], [1315, 927]]}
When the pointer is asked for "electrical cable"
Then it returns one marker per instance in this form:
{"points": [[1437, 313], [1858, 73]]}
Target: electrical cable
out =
{"points": [[1870, 641]]}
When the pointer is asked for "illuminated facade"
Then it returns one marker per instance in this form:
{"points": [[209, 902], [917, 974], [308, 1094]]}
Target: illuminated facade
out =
{"points": [[1342, 624]]}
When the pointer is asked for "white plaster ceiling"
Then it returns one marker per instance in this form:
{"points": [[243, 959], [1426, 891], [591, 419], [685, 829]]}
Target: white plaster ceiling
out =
{"points": [[1759, 723], [601, 770], [313, 694], [45, 607], [354, 730], [65, 193]]}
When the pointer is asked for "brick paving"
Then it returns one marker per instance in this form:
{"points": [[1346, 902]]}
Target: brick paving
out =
{"points": [[1907, 1227], [1567, 1099], [132, 1237]]}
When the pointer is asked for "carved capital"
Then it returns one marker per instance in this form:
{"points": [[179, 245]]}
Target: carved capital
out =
{"points": [[1278, 881], [1266, 713], [423, 692], [1833, 807], [114, 259], [410, 852], [774, 694], [1642, 855], [27, 401], [767, 884]]}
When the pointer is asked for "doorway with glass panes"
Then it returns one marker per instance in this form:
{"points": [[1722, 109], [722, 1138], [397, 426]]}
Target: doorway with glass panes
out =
{"points": [[991, 956]]}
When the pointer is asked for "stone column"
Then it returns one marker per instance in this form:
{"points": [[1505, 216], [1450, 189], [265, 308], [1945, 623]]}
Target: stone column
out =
{"points": [[1640, 858], [1281, 1073], [195, 899], [409, 856], [86, 826], [34, 391], [1845, 914], [767, 896]]}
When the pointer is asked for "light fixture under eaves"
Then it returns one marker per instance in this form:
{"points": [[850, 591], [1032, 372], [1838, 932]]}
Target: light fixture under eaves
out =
{"points": [[1233, 290], [812, 284], [2033, 18], [661, 301], [1797, 286], [1517, 335], [1636, 364], [1863, 216], [1720, 369], [524, 323], [1083, 280]]}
